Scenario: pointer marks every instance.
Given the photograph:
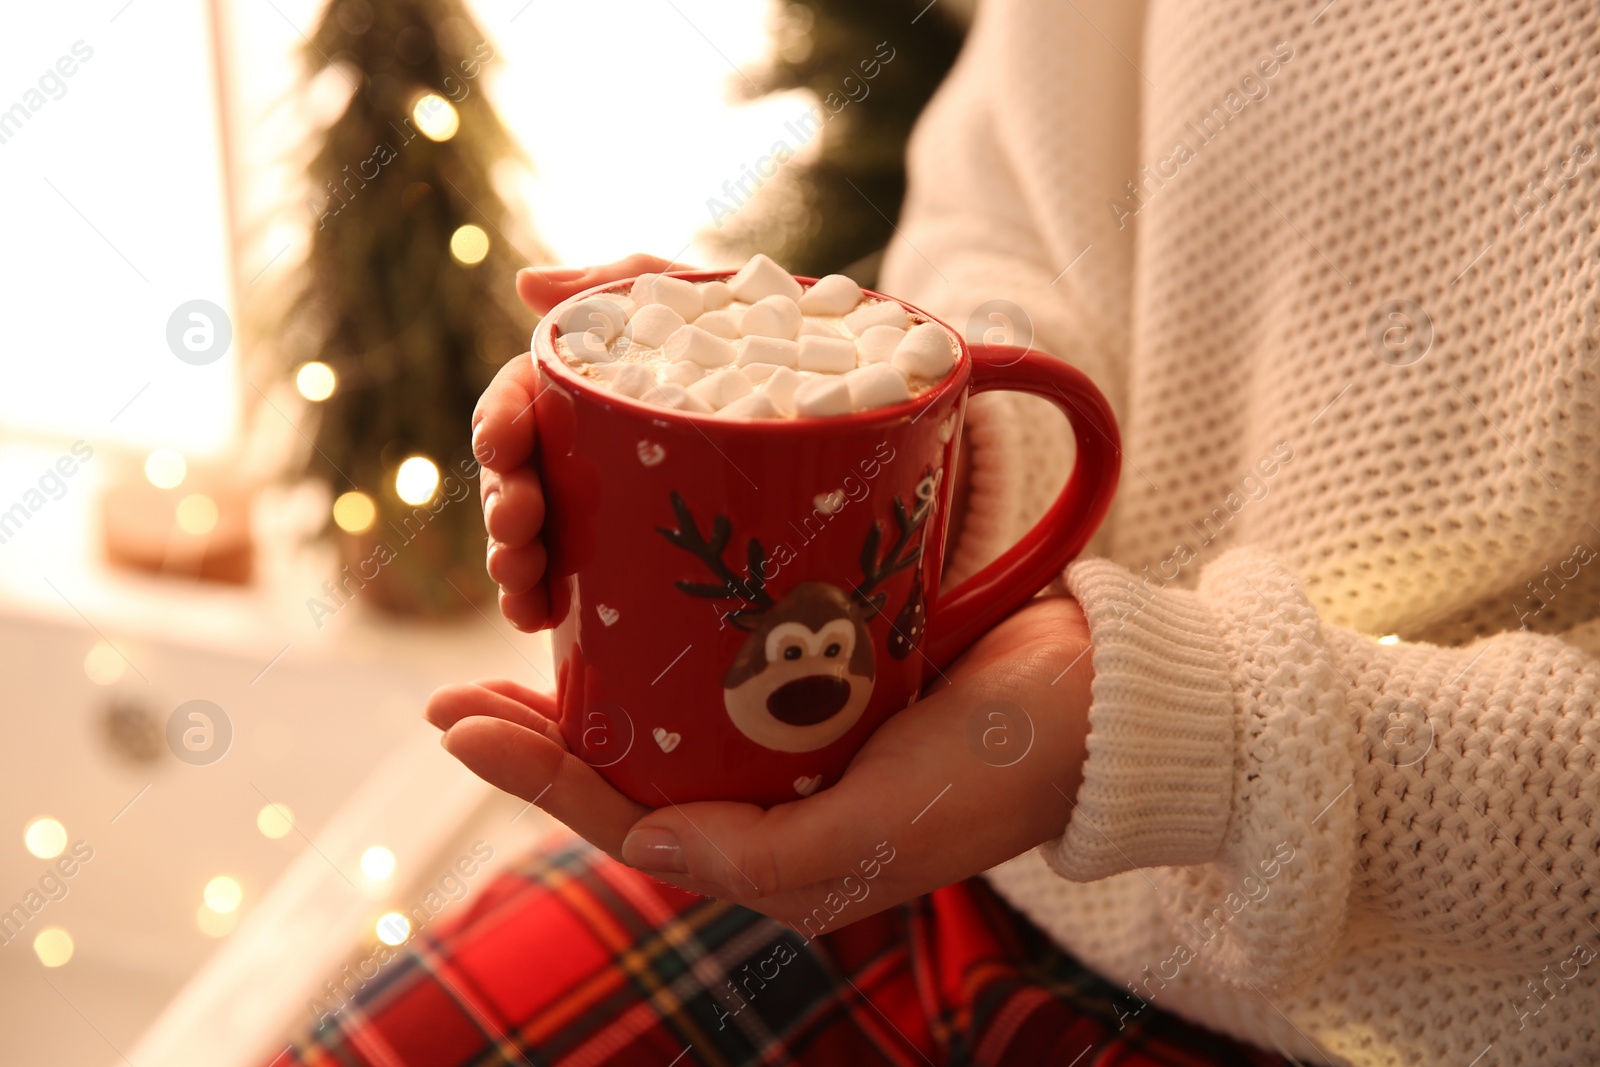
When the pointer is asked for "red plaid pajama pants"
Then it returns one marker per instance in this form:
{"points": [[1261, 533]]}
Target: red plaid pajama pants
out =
{"points": [[574, 959]]}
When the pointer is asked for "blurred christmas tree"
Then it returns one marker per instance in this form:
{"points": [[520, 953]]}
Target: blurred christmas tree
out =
{"points": [[872, 67], [406, 295]]}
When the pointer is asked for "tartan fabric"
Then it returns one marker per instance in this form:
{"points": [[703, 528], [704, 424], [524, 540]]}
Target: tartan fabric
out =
{"points": [[577, 960]]}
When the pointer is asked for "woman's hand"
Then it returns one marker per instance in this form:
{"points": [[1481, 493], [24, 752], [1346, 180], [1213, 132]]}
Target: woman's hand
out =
{"points": [[982, 768], [502, 440]]}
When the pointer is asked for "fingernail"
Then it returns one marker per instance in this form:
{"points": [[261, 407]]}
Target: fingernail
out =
{"points": [[651, 848], [480, 448], [559, 274], [490, 503]]}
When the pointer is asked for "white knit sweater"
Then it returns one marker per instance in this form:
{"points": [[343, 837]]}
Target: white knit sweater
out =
{"points": [[1288, 831]]}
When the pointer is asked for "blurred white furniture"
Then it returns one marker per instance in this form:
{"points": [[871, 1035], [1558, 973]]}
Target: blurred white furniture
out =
{"points": [[325, 721]]}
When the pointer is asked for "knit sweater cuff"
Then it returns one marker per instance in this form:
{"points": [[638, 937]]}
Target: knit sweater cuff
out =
{"points": [[1158, 782]]}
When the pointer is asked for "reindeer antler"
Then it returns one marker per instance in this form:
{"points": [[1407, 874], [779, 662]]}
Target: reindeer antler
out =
{"points": [[750, 589], [876, 571]]}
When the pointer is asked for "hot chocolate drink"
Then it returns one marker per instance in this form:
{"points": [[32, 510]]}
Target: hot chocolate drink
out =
{"points": [[759, 345]]}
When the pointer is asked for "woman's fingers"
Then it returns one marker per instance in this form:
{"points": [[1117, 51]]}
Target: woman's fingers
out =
{"points": [[542, 288], [502, 423], [503, 437], [528, 764], [513, 506], [499, 700], [539, 701], [528, 612], [516, 570]]}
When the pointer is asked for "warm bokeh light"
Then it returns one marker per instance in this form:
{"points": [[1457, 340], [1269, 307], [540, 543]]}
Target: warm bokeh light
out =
{"points": [[469, 244], [275, 821], [197, 514], [165, 468], [416, 480], [354, 512], [436, 117], [216, 923], [393, 928], [377, 863], [53, 946], [104, 665], [45, 838], [223, 894], [1389, 639], [316, 381]]}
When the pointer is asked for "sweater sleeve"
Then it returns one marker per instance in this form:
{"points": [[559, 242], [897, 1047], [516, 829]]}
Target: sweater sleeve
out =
{"points": [[969, 248], [1276, 772]]}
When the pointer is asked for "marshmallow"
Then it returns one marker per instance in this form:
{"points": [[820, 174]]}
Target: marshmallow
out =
{"points": [[758, 372], [762, 277], [811, 326], [652, 324], [668, 395], [682, 372], [768, 350], [679, 295], [722, 388], [780, 385], [772, 316], [714, 295], [723, 323], [833, 295], [633, 379], [599, 314], [753, 406], [696, 345], [828, 395], [877, 385], [924, 352], [878, 343], [883, 313], [827, 355], [665, 394], [589, 346]]}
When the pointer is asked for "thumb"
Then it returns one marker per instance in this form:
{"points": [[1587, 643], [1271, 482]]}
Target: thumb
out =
{"points": [[542, 288]]}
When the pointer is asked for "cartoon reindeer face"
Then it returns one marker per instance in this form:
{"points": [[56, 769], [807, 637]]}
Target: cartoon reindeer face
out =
{"points": [[804, 676]]}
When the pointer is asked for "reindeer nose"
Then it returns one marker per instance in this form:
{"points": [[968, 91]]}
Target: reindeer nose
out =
{"points": [[809, 700]]}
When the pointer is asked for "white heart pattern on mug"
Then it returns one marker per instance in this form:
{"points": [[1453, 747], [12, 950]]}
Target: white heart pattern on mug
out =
{"points": [[650, 452], [828, 503], [608, 615], [668, 741], [805, 785]]}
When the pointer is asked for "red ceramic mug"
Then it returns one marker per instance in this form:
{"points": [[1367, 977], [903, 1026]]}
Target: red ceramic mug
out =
{"points": [[739, 604]]}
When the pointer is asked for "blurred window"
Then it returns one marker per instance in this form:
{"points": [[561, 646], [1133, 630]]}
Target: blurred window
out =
{"points": [[637, 118], [114, 218]]}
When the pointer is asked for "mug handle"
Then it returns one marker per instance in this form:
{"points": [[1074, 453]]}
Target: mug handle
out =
{"points": [[977, 604]]}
